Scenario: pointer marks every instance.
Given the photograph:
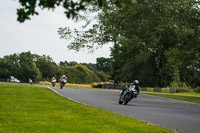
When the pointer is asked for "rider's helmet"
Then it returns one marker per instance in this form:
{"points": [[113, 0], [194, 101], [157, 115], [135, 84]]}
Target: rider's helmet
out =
{"points": [[63, 76], [136, 82]]}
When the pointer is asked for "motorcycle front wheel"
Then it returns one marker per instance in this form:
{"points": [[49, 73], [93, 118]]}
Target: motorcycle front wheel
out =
{"points": [[127, 98], [120, 102]]}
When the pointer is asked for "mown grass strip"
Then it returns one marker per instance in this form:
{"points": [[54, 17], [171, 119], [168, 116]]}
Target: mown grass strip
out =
{"points": [[189, 97], [38, 109]]}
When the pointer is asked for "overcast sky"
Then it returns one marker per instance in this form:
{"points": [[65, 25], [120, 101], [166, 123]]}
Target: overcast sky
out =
{"points": [[39, 35]]}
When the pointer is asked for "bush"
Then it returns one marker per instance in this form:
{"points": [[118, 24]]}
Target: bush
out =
{"points": [[182, 90], [180, 87], [197, 90], [102, 76], [80, 74]]}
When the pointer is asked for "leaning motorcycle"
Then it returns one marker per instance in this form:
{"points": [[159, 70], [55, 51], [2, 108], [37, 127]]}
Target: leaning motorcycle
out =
{"points": [[62, 83], [53, 82], [127, 94]]}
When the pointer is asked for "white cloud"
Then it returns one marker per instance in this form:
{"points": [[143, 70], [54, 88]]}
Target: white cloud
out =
{"points": [[39, 35]]}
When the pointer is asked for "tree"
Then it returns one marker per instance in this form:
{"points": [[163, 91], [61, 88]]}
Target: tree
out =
{"points": [[159, 28], [4, 72], [72, 7], [64, 64], [26, 65], [80, 74], [28, 68], [47, 67], [73, 63], [21, 66], [104, 77], [145, 35], [90, 66], [103, 64]]}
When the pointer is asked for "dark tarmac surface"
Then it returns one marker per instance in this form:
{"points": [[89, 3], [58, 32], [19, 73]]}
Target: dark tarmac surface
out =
{"points": [[172, 114]]}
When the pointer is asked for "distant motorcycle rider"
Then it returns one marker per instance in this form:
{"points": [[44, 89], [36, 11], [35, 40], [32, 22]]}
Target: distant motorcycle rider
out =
{"points": [[30, 81], [63, 80], [64, 77], [53, 79]]}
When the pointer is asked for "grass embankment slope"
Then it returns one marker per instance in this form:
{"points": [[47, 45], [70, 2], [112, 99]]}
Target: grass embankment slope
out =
{"points": [[189, 97], [36, 109]]}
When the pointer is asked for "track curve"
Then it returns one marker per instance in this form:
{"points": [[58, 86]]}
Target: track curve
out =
{"points": [[173, 114]]}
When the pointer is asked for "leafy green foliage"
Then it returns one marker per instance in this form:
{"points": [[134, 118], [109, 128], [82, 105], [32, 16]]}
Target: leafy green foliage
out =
{"points": [[157, 38], [154, 41], [87, 72], [103, 64], [180, 87], [47, 67], [80, 74], [26, 65], [90, 66], [197, 90], [72, 7], [21, 66], [4, 72], [65, 63], [104, 77]]}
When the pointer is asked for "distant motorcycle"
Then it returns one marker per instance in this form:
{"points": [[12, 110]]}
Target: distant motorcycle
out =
{"points": [[62, 83], [127, 94], [53, 82]]}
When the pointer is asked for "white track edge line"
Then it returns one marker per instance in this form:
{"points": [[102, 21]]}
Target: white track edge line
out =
{"points": [[66, 97]]}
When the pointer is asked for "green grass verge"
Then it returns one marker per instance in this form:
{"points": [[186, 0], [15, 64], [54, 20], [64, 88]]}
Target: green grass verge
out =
{"points": [[190, 97], [26, 108], [80, 86]]}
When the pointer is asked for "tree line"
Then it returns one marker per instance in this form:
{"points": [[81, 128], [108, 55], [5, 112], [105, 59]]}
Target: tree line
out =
{"points": [[42, 68], [156, 42]]}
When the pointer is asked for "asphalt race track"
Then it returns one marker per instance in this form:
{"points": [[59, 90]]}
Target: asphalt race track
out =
{"points": [[172, 114]]}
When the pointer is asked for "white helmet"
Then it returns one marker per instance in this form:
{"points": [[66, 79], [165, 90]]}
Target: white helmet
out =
{"points": [[136, 82]]}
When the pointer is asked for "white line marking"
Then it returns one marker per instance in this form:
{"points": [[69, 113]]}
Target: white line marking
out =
{"points": [[66, 97], [55, 91]]}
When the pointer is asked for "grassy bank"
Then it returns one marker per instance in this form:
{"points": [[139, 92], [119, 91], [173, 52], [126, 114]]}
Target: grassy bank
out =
{"points": [[26, 108], [68, 85], [190, 97]]}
